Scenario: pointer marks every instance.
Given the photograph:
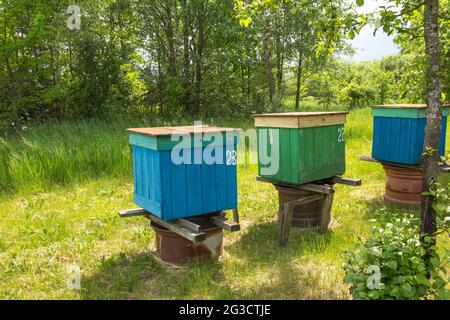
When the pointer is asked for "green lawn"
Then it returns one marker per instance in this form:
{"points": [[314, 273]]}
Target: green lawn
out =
{"points": [[63, 184]]}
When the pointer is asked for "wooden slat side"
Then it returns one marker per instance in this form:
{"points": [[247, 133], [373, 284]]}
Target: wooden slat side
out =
{"points": [[194, 185], [221, 181], [295, 155], [179, 190], [209, 188], [166, 185]]}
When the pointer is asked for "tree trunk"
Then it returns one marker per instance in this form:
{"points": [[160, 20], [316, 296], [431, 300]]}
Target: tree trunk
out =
{"points": [[268, 65], [434, 116], [243, 78], [199, 59], [169, 29], [248, 79], [299, 80], [12, 93], [160, 83], [280, 63], [186, 63], [247, 54]]}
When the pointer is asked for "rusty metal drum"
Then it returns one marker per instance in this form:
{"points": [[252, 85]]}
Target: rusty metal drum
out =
{"points": [[307, 216], [403, 186], [172, 248]]}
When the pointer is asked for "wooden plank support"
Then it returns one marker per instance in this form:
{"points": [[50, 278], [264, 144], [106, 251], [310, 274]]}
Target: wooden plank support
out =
{"points": [[306, 200], [326, 213], [286, 213], [318, 188], [285, 222], [133, 213], [346, 181], [185, 233], [189, 225], [443, 168], [236, 215], [175, 227], [324, 189], [185, 228], [225, 224]]}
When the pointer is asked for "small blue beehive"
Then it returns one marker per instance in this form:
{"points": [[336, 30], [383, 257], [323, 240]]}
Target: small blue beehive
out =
{"points": [[399, 133], [182, 172]]}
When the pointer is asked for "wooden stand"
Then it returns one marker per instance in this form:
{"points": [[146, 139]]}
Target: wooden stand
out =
{"points": [[319, 190], [443, 168], [188, 228]]}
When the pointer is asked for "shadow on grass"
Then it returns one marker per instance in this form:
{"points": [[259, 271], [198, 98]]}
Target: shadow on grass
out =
{"points": [[141, 276], [287, 271], [119, 276], [260, 242]]}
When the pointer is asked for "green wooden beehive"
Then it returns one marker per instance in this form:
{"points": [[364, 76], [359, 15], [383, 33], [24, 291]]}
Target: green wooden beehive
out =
{"points": [[311, 146]]}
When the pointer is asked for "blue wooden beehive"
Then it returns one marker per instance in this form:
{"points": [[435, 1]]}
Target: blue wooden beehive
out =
{"points": [[196, 186], [399, 133]]}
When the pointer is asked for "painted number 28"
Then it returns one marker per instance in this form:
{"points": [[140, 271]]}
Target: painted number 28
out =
{"points": [[341, 134], [231, 158]]}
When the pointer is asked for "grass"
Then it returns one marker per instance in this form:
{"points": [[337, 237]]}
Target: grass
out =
{"points": [[61, 187]]}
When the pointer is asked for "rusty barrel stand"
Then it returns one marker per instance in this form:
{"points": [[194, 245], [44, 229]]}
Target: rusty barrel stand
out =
{"points": [[403, 182], [403, 186], [307, 206], [188, 239], [173, 248]]}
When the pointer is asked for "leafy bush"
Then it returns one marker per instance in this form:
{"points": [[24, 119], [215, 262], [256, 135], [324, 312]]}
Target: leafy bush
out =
{"points": [[391, 264]]}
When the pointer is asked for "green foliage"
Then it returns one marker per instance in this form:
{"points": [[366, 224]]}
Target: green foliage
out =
{"points": [[441, 206], [166, 58], [392, 264], [355, 85]]}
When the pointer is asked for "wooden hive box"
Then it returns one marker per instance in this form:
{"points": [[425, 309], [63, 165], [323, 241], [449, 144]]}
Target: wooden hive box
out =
{"points": [[311, 145], [399, 133], [172, 190]]}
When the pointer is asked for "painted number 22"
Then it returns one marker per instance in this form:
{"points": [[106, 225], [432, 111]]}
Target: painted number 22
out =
{"points": [[341, 134]]}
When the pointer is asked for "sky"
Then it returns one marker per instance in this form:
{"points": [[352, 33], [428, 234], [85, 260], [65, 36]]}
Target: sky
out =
{"points": [[367, 46]]}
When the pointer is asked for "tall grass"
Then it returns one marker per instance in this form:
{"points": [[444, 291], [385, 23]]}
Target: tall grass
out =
{"points": [[60, 153], [57, 154], [70, 152]]}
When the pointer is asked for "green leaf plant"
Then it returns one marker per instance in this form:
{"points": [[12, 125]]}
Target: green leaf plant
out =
{"points": [[391, 263]]}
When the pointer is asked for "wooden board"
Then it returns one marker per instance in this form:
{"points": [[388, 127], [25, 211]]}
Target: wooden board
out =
{"points": [[183, 130], [300, 120], [443, 168], [188, 229], [317, 188]]}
